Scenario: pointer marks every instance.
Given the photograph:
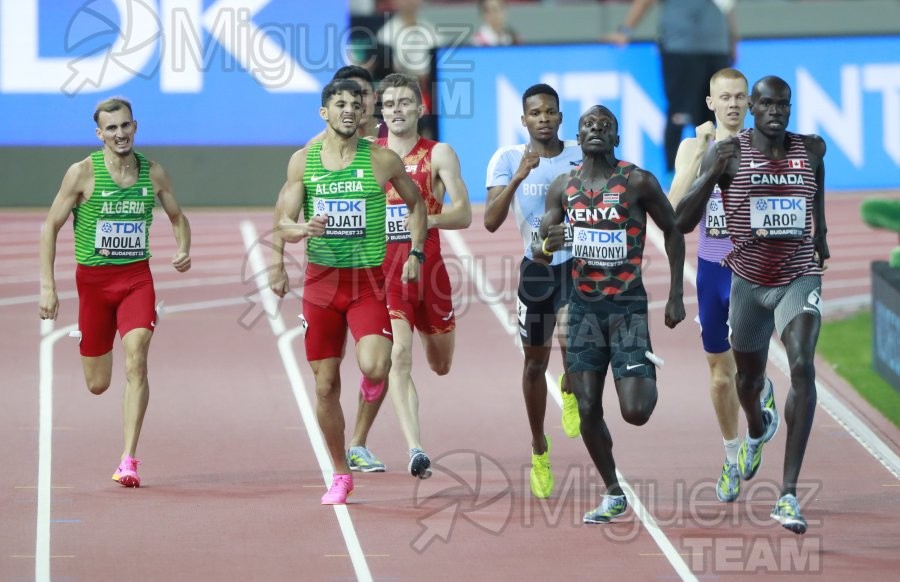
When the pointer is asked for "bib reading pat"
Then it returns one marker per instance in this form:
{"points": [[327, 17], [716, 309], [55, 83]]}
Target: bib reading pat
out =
{"points": [[715, 220]]}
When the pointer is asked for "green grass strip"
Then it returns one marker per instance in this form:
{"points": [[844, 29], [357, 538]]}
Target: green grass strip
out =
{"points": [[847, 345]]}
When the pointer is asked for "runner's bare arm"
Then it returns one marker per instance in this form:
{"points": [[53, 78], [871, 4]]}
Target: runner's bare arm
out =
{"points": [[395, 171], [552, 230], [687, 161], [715, 165], [288, 225], [458, 214], [70, 192], [181, 227], [499, 198], [660, 210], [277, 241], [285, 222], [815, 145], [279, 283]]}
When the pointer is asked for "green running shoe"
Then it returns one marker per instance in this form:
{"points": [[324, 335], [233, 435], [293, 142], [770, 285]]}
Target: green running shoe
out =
{"points": [[749, 458], [787, 513], [729, 486], [541, 477], [571, 420], [611, 506], [361, 459], [767, 399]]}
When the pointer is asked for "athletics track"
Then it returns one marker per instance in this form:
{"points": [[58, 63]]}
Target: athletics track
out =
{"points": [[234, 463]]}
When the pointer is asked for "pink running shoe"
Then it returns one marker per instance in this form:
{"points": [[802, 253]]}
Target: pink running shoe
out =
{"points": [[126, 474], [340, 490], [370, 390]]}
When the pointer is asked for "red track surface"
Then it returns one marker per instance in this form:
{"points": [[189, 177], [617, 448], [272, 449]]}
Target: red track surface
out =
{"points": [[232, 483]]}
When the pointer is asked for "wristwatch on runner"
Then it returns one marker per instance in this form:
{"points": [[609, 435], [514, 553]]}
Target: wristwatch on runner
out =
{"points": [[417, 254]]}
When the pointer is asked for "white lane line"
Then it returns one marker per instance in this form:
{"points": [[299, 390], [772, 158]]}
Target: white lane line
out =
{"points": [[45, 452], [851, 303], [286, 349], [211, 304], [260, 275], [298, 387], [681, 567], [158, 285], [485, 290], [487, 294], [871, 442], [68, 275], [665, 545], [45, 431], [854, 426]]}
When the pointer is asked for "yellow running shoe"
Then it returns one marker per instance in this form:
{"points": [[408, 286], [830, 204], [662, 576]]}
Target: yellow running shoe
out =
{"points": [[571, 421], [541, 476]]}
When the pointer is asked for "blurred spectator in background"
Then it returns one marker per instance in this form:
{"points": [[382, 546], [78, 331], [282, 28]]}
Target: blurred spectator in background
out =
{"points": [[696, 39], [410, 41], [362, 7], [493, 30]]}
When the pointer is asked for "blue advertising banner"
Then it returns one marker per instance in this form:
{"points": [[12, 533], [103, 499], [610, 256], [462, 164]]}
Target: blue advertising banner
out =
{"points": [[846, 90], [224, 72], [886, 322]]}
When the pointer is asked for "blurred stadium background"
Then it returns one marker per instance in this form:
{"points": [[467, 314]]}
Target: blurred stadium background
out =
{"points": [[225, 91]]}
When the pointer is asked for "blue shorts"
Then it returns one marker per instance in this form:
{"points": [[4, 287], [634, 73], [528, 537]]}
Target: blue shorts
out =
{"points": [[713, 298]]}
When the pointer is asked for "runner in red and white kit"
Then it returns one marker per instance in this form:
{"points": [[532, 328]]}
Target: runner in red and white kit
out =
{"points": [[729, 100], [773, 191], [426, 304]]}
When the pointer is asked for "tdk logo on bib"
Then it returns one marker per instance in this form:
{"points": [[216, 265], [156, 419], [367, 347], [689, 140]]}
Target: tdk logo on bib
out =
{"points": [[330, 206], [122, 227], [346, 218], [780, 204], [600, 248], [602, 236]]}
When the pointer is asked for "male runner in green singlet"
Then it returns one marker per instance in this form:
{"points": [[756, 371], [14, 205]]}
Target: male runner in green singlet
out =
{"points": [[339, 184], [111, 195]]}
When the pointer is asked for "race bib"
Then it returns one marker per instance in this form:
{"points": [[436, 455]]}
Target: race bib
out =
{"points": [[567, 244], [536, 235], [600, 248], [395, 223], [118, 239], [715, 219], [346, 216], [777, 216]]}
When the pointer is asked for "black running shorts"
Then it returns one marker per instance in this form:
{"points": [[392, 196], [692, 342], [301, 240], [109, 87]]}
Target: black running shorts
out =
{"points": [[610, 330]]}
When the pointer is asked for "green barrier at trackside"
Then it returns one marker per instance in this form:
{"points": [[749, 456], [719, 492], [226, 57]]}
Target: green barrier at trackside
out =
{"points": [[881, 213]]}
